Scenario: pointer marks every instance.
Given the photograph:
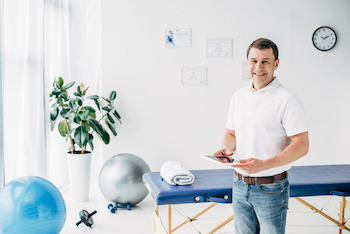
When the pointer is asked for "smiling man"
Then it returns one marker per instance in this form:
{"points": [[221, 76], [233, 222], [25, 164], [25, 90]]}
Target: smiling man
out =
{"points": [[266, 129]]}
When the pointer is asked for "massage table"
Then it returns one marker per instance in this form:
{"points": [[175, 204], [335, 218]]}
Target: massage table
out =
{"points": [[215, 186]]}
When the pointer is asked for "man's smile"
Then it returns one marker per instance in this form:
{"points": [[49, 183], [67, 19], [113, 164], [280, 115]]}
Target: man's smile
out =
{"points": [[257, 74]]}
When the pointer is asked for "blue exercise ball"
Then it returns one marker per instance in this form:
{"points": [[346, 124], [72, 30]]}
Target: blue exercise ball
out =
{"points": [[31, 205], [120, 179]]}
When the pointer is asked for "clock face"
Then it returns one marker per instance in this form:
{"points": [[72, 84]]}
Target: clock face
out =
{"points": [[324, 38]]}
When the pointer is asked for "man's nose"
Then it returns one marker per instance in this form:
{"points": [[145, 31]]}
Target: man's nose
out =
{"points": [[260, 65]]}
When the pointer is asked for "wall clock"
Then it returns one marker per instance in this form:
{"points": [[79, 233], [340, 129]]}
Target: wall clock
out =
{"points": [[324, 38]]}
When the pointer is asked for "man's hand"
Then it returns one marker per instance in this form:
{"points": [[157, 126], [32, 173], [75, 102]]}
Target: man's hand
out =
{"points": [[251, 165], [223, 152]]}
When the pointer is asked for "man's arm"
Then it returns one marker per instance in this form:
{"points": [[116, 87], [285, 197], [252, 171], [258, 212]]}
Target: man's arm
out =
{"points": [[228, 143], [297, 149]]}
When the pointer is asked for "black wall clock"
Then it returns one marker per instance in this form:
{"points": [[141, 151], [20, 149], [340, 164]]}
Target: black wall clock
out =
{"points": [[324, 38]]}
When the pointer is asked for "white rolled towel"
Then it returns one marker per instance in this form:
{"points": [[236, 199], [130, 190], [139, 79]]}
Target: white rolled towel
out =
{"points": [[175, 174]]}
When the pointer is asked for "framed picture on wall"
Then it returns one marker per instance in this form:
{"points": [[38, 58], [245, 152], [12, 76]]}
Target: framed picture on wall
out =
{"points": [[219, 48], [177, 37], [193, 76]]}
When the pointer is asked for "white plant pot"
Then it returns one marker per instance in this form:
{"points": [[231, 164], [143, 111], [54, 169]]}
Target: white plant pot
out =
{"points": [[79, 166]]}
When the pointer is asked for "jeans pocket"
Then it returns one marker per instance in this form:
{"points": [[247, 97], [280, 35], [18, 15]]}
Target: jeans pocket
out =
{"points": [[273, 188], [235, 179]]}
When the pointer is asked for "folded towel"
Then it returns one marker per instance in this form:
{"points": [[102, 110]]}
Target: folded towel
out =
{"points": [[175, 174]]}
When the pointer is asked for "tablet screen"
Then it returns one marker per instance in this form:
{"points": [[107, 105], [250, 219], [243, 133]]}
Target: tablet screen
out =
{"points": [[221, 159]]}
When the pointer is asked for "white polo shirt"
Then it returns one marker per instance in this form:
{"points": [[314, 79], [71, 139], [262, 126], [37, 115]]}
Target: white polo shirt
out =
{"points": [[263, 121]]}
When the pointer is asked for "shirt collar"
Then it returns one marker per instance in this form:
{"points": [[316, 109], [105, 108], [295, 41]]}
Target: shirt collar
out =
{"points": [[269, 88]]}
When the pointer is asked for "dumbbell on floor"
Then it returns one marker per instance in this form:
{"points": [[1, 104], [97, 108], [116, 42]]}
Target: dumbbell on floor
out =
{"points": [[113, 208]]}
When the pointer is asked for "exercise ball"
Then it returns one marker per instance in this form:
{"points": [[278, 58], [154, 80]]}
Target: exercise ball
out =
{"points": [[120, 179], [31, 205]]}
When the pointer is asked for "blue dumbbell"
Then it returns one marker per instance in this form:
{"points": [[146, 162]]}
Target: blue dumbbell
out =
{"points": [[113, 208], [128, 206]]}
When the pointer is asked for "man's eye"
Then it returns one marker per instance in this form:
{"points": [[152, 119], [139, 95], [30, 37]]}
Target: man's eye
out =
{"points": [[265, 62]]}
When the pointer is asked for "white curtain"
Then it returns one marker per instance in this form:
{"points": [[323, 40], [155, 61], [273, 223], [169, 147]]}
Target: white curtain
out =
{"points": [[23, 100], [2, 175], [73, 52], [44, 39]]}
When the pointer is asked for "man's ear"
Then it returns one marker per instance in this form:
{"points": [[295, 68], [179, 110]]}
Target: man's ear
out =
{"points": [[277, 62]]}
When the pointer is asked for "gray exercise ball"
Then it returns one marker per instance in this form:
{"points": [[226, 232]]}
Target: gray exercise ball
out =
{"points": [[121, 179]]}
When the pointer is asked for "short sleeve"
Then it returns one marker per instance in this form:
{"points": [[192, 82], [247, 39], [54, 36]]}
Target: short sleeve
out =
{"points": [[294, 120]]}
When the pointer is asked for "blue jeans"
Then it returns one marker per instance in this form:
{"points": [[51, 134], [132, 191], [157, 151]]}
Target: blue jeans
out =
{"points": [[260, 208]]}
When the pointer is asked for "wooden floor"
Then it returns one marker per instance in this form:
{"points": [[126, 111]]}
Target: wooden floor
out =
{"points": [[139, 220]]}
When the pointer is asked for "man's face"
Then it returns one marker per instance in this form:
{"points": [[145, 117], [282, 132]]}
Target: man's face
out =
{"points": [[261, 66]]}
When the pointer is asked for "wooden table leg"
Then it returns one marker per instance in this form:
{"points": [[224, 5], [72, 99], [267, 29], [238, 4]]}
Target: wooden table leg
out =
{"points": [[340, 225], [169, 219], [341, 214], [156, 210]]}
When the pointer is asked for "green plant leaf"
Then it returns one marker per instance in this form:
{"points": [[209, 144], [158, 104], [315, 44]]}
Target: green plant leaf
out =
{"points": [[64, 96], [80, 102], [96, 126], [110, 118], [97, 104], [60, 82], [93, 97], [84, 114], [91, 138], [70, 115], [72, 105], [78, 90], [111, 128], [59, 100], [87, 125], [67, 86], [105, 108], [89, 108], [54, 113], [92, 112], [69, 133], [53, 122], [77, 120], [62, 128], [112, 96], [86, 90], [56, 91], [115, 113], [105, 137], [64, 112], [81, 136]]}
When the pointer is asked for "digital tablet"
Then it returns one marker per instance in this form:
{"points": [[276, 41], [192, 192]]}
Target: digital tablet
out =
{"points": [[221, 159]]}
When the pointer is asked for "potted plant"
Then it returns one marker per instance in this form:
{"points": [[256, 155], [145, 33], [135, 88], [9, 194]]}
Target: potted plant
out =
{"points": [[78, 124]]}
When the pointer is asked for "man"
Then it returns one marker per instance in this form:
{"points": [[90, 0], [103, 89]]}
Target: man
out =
{"points": [[266, 130]]}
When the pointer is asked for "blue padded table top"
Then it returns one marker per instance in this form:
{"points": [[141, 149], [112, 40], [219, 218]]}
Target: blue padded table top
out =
{"points": [[319, 180], [213, 185], [208, 183]]}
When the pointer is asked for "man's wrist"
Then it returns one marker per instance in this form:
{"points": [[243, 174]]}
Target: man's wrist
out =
{"points": [[268, 163]]}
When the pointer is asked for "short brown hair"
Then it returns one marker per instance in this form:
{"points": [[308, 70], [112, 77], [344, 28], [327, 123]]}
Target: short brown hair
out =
{"points": [[263, 43]]}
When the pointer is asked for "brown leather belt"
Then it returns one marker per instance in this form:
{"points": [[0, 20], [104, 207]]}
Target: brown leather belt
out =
{"points": [[261, 180]]}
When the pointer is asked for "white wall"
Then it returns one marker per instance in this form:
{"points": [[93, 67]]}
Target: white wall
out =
{"points": [[163, 120]]}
